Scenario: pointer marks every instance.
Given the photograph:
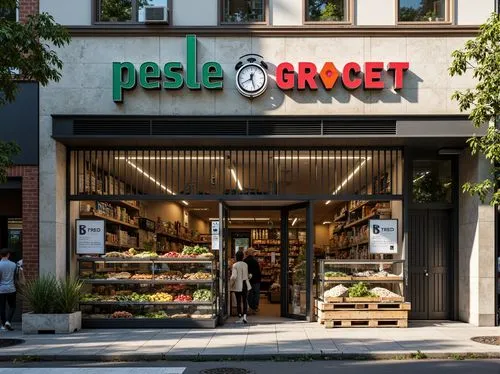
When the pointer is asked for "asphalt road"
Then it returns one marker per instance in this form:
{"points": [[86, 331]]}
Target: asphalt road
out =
{"points": [[262, 367]]}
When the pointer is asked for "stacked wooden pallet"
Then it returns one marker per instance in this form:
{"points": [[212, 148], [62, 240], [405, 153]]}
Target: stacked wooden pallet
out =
{"points": [[363, 312]]}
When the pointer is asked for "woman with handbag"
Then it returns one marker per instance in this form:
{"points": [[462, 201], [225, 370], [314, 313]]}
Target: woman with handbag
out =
{"points": [[240, 285]]}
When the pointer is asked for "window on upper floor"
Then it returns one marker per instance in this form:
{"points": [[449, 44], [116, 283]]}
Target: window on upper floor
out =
{"points": [[327, 10], [124, 10], [9, 14], [244, 11], [424, 11]]}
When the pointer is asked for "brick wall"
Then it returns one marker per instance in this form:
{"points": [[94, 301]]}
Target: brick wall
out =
{"points": [[29, 175], [26, 8]]}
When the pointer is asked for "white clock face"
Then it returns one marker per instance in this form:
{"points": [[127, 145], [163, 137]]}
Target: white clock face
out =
{"points": [[251, 80]]}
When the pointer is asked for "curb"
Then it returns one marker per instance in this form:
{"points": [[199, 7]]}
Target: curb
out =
{"points": [[254, 357]]}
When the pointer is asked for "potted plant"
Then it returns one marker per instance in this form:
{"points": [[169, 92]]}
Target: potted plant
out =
{"points": [[53, 305]]}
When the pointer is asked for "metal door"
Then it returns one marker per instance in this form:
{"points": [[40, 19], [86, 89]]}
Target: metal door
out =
{"points": [[429, 248]]}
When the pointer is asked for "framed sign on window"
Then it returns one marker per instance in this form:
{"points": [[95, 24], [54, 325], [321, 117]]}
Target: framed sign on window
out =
{"points": [[383, 236], [90, 236]]}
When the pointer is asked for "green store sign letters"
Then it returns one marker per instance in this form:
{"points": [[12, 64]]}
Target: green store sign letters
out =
{"points": [[173, 77]]}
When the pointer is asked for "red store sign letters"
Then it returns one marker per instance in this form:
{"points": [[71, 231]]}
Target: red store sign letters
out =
{"points": [[352, 77]]}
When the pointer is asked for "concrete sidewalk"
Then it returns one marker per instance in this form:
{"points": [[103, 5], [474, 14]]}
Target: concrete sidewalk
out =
{"points": [[287, 340]]}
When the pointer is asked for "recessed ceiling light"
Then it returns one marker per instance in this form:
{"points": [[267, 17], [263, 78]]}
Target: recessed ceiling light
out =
{"points": [[349, 177]]}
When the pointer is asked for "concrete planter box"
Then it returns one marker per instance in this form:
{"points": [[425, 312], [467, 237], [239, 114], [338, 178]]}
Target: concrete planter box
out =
{"points": [[52, 323]]}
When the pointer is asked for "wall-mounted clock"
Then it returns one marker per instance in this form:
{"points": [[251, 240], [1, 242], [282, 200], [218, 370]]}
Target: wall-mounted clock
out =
{"points": [[251, 76]]}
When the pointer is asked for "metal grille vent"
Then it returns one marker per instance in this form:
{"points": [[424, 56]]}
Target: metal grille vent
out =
{"points": [[199, 127], [287, 127], [111, 127], [359, 128]]}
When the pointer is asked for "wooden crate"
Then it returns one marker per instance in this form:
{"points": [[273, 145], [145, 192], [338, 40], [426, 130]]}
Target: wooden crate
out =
{"points": [[362, 314], [400, 323], [363, 306]]}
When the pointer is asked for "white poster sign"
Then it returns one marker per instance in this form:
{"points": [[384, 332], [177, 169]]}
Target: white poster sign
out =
{"points": [[90, 236], [215, 235], [383, 236]]}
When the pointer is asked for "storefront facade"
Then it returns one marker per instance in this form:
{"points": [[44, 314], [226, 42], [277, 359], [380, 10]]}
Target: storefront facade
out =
{"points": [[376, 91]]}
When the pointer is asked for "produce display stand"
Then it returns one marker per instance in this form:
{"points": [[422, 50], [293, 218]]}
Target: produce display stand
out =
{"points": [[344, 311], [108, 295]]}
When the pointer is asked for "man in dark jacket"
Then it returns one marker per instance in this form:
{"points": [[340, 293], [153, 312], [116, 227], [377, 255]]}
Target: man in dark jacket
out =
{"points": [[254, 271]]}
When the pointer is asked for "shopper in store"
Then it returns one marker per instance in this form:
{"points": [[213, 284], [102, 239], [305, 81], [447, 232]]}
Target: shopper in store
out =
{"points": [[255, 278], [240, 285], [7, 289]]}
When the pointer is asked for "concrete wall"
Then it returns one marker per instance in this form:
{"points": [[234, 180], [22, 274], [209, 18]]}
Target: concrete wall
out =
{"points": [[476, 250], [87, 79], [286, 12], [375, 13], [195, 12], [473, 12], [281, 12], [69, 12]]}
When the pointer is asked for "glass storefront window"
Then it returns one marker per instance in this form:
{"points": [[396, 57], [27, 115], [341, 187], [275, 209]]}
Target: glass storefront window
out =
{"points": [[423, 10], [327, 10], [115, 10], [432, 182], [243, 11], [8, 13]]}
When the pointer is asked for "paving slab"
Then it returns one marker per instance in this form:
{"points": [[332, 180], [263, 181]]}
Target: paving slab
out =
{"points": [[122, 370], [253, 341]]}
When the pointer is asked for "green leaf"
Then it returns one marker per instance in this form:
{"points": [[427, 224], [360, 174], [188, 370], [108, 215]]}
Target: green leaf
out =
{"points": [[481, 55]]}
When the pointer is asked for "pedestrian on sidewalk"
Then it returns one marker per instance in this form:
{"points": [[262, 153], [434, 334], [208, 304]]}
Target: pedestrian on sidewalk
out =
{"points": [[7, 289], [240, 285], [255, 278]]}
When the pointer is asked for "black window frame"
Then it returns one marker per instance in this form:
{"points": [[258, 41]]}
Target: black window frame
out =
{"points": [[96, 4], [223, 22]]}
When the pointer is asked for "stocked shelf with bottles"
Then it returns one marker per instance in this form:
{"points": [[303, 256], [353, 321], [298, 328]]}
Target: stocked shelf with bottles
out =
{"points": [[148, 292]]}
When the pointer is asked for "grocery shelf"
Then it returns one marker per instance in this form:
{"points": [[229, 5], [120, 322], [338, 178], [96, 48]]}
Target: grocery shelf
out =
{"points": [[361, 262], [146, 281], [107, 218], [360, 221], [149, 323], [208, 303], [364, 279], [145, 260]]}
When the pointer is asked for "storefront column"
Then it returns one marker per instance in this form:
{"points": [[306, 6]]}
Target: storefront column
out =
{"points": [[476, 249], [52, 202]]}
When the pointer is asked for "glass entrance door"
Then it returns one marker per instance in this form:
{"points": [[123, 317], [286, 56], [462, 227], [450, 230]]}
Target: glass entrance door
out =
{"points": [[296, 270], [223, 246]]}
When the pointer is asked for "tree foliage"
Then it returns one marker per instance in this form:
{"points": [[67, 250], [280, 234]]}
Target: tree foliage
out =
{"points": [[7, 151], [26, 49], [482, 56], [25, 53], [326, 10]]}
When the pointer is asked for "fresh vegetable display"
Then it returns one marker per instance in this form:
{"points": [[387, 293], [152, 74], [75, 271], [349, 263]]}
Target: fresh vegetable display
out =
{"points": [[161, 297], [335, 274], [169, 275], [200, 275], [89, 297], [360, 290], [133, 297], [122, 314], [196, 250], [183, 298], [158, 314], [202, 294]]}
